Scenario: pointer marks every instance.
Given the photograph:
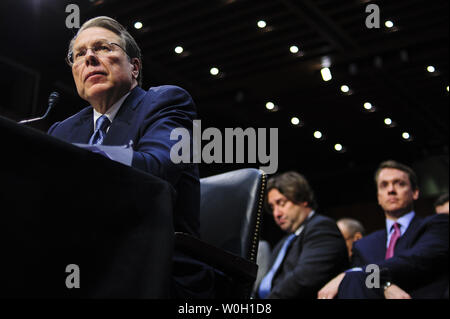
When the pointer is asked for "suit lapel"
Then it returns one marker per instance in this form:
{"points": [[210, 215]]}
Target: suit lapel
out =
{"points": [[83, 128], [405, 240], [117, 134], [305, 224]]}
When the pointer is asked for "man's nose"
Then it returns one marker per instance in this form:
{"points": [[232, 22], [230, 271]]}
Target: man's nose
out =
{"points": [[90, 58], [391, 189], [277, 212]]}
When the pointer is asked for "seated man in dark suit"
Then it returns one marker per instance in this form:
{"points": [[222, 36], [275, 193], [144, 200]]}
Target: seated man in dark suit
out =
{"points": [[106, 65], [411, 253], [312, 253]]}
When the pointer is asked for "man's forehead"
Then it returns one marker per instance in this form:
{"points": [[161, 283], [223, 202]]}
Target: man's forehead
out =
{"points": [[274, 195], [95, 34], [392, 174]]}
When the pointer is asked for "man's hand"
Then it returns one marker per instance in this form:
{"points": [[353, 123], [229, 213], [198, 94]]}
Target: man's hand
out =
{"points": [[330, 290], [395, 292]]}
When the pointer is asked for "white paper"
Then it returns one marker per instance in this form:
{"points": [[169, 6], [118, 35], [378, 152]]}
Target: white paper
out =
{"points": [[122, 154]]}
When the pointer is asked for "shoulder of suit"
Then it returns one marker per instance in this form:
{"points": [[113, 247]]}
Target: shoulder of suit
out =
{"points": [[167, 89], [321, 219], [435, 218], [376, 235], [168, 95], [77, 116], [318, 222]]}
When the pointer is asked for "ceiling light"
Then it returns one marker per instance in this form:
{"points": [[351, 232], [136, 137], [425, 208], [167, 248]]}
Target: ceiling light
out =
{"points": [[179, 50], [262, 24], [318, 135], [345, 89], [214, 71], [431, 69], [447, 88], [388, 121], [338, 147], [295, 121], [389, 24], [326, 74], [294, 49], [138, 25], [270, 106], [368, 106], [406, 136]]}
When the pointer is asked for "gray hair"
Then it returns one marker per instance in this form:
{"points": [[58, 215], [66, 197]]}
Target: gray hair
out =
{"points": [[353, 226], [131, 47]]}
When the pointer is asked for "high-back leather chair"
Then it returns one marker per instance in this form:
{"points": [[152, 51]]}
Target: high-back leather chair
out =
{"points": [[231, 205]]}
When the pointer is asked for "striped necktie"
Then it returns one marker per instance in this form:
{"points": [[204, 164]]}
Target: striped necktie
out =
{"points": [[101, 125], [395, 236]]}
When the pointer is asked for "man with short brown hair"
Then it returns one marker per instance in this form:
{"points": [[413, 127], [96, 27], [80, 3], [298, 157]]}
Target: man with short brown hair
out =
{"points": [[411, 253]]}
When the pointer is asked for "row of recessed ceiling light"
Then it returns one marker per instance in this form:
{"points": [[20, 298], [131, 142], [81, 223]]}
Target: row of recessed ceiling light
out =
{"points": [[294, 49], [369, 107], [262, 24], [326, 75], [295, 121]]}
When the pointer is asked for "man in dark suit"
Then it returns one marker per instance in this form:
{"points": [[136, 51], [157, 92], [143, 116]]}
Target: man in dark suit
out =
{"points": [[312, 253], [107, 70], [411, 253]]}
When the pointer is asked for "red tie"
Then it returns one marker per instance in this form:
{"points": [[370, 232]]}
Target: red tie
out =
{"points": [[395, 236]]}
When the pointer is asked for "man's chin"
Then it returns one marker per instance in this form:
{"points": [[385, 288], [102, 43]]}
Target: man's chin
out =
{"points": [[96, 91], [397, 212]]}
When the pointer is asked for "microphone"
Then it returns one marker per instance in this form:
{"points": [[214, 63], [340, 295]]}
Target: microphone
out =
{"points": [[52, 100]]}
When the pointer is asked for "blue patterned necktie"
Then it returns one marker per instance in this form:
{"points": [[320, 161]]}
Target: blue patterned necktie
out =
{"points": [[101, 125], [266, 282]]}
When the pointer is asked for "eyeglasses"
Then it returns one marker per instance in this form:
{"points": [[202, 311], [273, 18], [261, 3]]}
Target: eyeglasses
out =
{"points": [[100, 49]]}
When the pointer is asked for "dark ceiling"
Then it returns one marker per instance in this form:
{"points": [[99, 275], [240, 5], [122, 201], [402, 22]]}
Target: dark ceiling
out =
{"points": [[386, 67]]}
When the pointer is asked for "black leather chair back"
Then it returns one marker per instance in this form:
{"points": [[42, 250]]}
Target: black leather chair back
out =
{"points": [[230, 211]]}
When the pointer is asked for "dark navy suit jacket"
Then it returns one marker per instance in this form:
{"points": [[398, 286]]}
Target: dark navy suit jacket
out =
{"points": [[313, 258], [419, 265], [147, 118]]}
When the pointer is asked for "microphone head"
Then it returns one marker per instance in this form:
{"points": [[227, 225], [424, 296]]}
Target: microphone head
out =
{"points": [[53, 98]]}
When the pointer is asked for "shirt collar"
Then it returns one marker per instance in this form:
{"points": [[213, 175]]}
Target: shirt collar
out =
{"points": [[299, 230], [404, 221], [112, 111]]}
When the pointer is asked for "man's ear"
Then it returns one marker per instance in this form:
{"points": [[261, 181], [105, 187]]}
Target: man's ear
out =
{"points": [[416, 194], [357, 236], [136, 67]]}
